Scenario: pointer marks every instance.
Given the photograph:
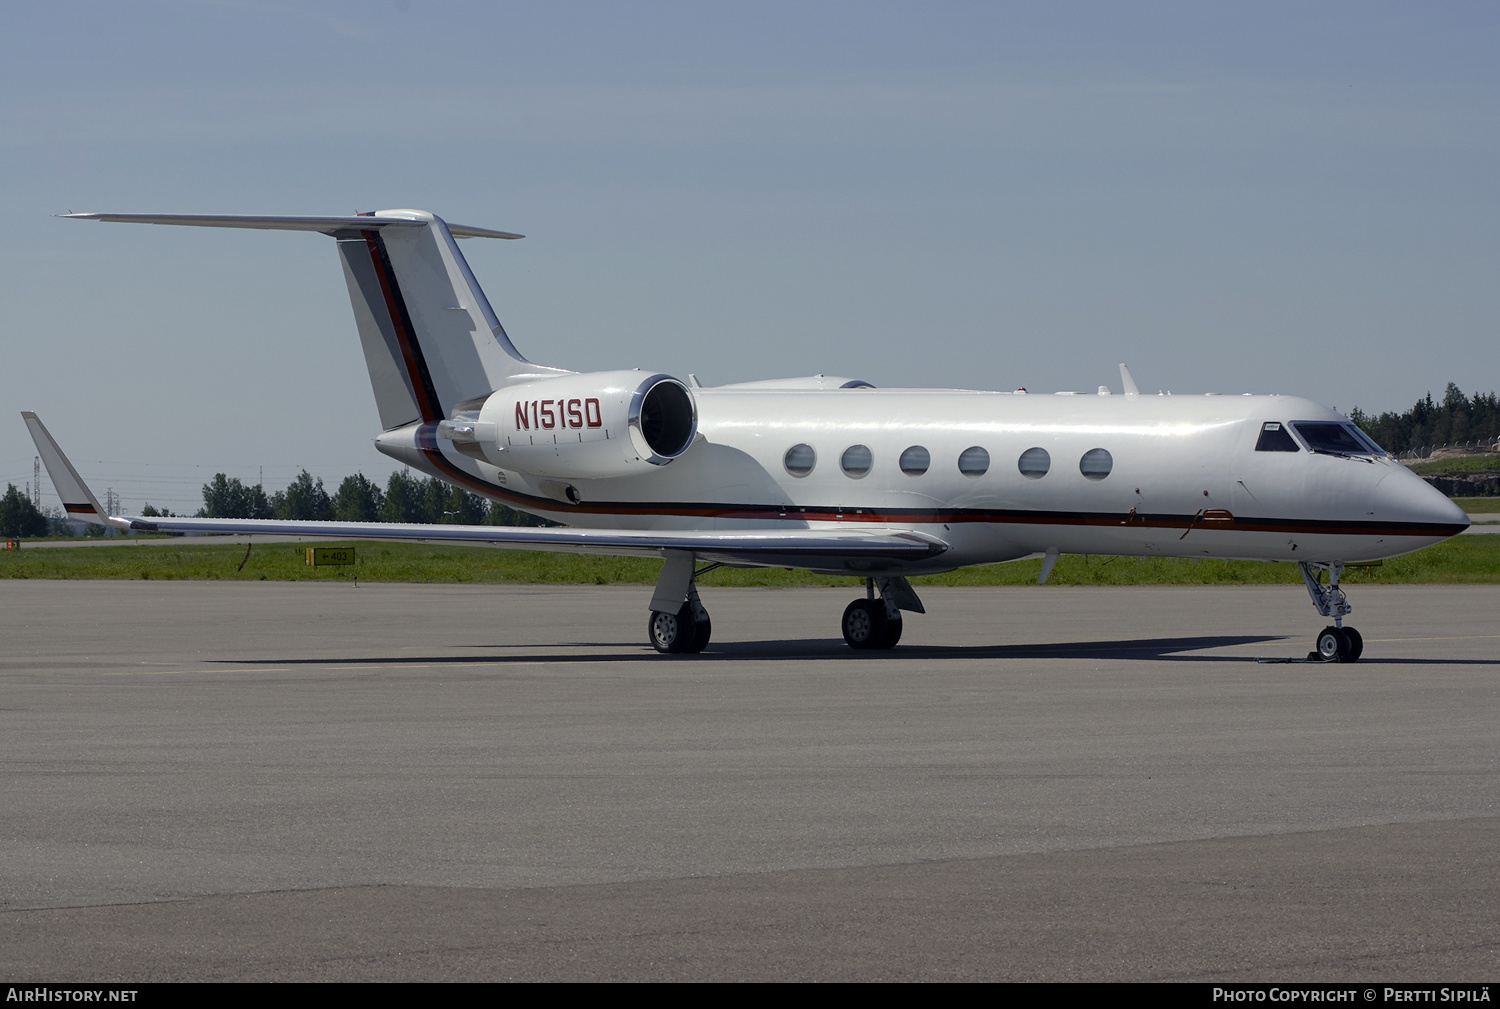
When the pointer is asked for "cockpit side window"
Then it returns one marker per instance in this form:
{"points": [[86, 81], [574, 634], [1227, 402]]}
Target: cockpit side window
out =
{"points": [[1369, 442], [1274, 437], [1334, 438]]}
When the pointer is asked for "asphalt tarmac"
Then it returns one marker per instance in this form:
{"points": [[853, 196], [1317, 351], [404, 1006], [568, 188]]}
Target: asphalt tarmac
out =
{"points": [[327, 782]]}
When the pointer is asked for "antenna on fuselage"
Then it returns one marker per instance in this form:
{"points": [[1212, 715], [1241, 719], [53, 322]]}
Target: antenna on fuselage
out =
{"points": [[1127, 381]]}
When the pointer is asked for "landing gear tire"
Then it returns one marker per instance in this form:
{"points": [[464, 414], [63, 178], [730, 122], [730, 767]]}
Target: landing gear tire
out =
{"points": [[865, 624], [678, 633], [1356, 645], [1340, 644], [892, 633], [702, 630]]}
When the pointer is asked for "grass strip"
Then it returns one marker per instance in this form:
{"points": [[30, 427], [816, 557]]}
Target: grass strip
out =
{"points": [[1456, 466], [1478, 505], [1464, 559]]}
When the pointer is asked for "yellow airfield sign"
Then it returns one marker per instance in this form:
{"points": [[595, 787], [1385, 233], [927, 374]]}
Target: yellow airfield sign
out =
{"points": [[336, 556]]}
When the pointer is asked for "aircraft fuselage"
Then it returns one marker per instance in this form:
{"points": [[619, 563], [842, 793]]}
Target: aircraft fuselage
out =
{"points": [[1006, 475]]}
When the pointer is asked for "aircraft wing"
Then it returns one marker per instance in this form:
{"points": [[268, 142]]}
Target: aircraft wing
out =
{"points": [[843, 551]]}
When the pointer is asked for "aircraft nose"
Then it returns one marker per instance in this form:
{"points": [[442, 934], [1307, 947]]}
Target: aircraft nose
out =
{"points": [[1402, 496]]}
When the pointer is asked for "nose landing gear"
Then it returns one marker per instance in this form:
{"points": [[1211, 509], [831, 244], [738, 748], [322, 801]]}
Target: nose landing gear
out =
{"points": [[1337, 643]]}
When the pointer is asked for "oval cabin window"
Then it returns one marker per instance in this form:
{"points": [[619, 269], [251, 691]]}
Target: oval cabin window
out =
{"points": [[1034, 463], [974, 461], [915, 461], [800, 460], [1096, 464], [856, 460]]}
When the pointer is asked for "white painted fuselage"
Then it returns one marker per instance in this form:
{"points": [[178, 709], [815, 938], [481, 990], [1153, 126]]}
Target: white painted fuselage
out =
{"points": [[1183, 479]]}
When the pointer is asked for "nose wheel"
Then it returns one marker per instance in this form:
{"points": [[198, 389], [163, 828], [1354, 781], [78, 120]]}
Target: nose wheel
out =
{"points": [[1336, 643], [1340, 644]]}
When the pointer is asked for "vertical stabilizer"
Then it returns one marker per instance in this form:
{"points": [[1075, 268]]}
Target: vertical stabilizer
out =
{"points": [[431, 339]]}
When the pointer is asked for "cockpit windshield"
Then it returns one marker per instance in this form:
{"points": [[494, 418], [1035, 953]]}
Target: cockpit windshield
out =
{"points": [[1369, 442], [1333, 438]]}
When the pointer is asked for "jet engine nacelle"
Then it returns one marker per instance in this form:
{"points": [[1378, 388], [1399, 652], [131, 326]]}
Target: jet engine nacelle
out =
{"points": [[579, 427]]}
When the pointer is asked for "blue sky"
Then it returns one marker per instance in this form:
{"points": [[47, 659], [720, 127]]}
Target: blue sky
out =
{"points": [[1293, 198]]}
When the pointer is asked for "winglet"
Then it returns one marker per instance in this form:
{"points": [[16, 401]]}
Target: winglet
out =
{"points": [[78, 501], [1127, 381]]}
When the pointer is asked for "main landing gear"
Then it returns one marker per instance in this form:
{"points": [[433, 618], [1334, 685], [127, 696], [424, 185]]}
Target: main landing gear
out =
{"points": [[876, 622], [679, 625], [1336, 643], [685, 632]]}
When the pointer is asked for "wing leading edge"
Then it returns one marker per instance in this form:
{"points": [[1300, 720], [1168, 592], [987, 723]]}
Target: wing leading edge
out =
{"points": [[834, 551]]}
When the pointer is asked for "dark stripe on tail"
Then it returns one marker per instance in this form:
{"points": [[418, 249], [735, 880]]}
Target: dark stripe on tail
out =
{"points": [[406, 333]]}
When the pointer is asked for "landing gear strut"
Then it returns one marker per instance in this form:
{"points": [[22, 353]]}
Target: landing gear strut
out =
{"points": [[874, 622], [679, 625], [1336, 643]]}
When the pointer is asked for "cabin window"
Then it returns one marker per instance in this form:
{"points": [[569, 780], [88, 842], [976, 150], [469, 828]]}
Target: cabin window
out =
{"points": [[1096, 464], [974, 461], [915, 461], [1034, 463], [1274, 437], [1332, 438], [800, 460], [856, 460]]}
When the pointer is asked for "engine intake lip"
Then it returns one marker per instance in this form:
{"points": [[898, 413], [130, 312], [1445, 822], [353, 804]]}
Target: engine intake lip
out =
{"points": [[663, 419]]}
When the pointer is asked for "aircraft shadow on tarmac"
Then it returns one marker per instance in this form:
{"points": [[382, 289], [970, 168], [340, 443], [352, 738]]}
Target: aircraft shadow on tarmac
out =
{"points": [[1176, 649]]}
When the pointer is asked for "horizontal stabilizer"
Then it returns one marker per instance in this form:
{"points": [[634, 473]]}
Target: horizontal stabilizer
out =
{"points": [[324, 225]]}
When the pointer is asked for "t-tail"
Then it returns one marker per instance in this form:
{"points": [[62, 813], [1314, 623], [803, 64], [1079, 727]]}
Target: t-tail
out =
{"points": [[431, 340]]}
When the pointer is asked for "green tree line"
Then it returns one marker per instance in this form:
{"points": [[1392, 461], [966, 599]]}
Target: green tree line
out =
{"points": [[19, 517], [358, 499], [1455, 419]]}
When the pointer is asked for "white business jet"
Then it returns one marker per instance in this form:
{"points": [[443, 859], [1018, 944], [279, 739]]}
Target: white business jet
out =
{"points": [[827, 474]]}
